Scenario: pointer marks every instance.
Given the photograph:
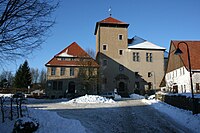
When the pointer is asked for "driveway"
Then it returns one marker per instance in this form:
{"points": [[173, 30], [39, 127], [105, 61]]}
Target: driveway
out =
{"points": [[125, 116]]}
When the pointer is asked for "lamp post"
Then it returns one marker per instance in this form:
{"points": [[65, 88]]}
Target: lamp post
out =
{"points": [[178, 52]]}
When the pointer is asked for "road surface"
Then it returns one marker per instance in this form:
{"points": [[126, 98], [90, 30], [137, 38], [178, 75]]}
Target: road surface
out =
{"points": [[125, 116]]}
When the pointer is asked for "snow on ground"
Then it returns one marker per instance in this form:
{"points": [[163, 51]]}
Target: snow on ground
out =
{"points": [[136, 96], [6, 95], [90, 99], [50, 122], [183, 117]]}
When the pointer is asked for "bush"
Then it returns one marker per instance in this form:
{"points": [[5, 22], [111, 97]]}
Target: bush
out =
{"points": [[25, 125]]}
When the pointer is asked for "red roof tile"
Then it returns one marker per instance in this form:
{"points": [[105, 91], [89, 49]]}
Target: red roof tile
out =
{"points": [[194, 48], [72, 52], [110, 21]]}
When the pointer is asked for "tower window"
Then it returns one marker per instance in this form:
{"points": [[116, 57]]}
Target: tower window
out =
{"points": [[105, 47], [149, 57], [120, 52], [120, 37], [136, 57], [105, 62]]}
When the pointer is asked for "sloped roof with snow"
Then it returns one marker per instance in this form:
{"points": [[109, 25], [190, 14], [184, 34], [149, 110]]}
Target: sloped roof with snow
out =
{"points": [[139, 43], [71, 52]]}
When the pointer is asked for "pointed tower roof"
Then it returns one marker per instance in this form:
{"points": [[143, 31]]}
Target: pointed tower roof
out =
{"points": [[70, 52], [110, 21]]}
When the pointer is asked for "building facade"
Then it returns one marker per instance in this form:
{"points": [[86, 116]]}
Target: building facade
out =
{"points": [[127, 65], [177, 77], [71, 72]]}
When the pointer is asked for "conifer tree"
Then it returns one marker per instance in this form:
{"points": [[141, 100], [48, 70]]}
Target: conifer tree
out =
{"points": [[23, 76]]}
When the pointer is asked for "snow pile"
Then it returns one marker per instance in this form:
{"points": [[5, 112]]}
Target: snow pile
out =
{"points": [[49, 122], [136, 96], [91, 99], [181, 116], [6, 95], [117, 97]]}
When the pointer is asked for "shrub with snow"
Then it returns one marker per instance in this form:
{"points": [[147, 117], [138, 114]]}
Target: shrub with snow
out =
{"points": [[25, 125]]}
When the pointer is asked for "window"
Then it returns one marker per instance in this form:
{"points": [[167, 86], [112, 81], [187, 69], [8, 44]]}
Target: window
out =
{"points": [[62, 71], [105, 62], [53, 71], [136, 74], [121, 67], [120, 37], [120, 52], [54, 85], [137, 85], [104, 80], [197, 87], [104, 47], [71, 71], [149, 57], [136, 57], [150, 86], [60, 84], [149, 74]]}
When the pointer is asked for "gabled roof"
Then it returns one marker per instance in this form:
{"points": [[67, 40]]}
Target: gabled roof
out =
{"points": [[72, 51], [111, 22], [194, 49], [139, 43]]}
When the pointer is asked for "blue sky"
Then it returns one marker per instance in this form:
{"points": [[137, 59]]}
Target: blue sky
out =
{"points": [[158, 21]]}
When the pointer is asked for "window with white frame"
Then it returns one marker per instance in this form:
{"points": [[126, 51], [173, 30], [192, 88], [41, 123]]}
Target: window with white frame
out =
{"points": [[71, 71], [136, 56], [62, 71], [149, 57], [53, 71]]}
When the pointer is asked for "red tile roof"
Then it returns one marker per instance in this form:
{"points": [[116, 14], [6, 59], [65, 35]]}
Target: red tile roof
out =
{"points": [[194, 49], [72, 52], [110, 21]]}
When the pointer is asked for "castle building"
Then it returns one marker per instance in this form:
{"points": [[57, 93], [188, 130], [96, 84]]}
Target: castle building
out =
{"points": [[71, 72], [126, 65]]}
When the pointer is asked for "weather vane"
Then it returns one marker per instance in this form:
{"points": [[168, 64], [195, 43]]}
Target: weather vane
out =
{"points": [[109, 10]]}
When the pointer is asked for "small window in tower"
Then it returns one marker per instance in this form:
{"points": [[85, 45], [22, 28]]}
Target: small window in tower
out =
{"points": [[120, 52], [104, 47], [120, 37]]}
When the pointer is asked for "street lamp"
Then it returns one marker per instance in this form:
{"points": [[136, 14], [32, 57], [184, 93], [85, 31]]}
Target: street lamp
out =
{"points": [[178, 52]]}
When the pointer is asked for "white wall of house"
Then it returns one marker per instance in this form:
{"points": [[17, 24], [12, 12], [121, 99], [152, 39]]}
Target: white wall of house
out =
{"points": [[181, 78]]}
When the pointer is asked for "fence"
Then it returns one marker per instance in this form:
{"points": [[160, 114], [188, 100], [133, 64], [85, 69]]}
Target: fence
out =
{"points": [[180, 101], [12, 108]]}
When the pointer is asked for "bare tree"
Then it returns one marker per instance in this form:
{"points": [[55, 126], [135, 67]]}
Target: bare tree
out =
{"points": [[35, 75], [23, 26], [42, 78], [88, 72]]}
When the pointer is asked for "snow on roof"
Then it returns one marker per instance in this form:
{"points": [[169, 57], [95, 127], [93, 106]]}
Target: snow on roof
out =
{"points": [[140, 43], [65, 54], [145, 45]]}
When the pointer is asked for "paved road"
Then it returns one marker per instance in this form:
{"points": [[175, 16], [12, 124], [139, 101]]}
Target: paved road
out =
{"points": [[127, 116]]}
